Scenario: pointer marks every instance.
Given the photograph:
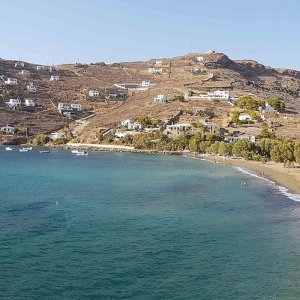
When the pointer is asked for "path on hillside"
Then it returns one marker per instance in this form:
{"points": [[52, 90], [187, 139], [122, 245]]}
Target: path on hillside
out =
{"points": [[82, 123]]}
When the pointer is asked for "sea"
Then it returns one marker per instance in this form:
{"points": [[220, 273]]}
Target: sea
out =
{"points": [[136, 226]]}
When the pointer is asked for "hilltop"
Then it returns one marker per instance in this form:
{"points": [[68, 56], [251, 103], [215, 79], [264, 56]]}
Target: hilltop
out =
{"points": [[190, 74]]}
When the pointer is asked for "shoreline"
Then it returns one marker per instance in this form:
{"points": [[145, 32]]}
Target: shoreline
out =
{"points": [[276, 173], [287, 179]]}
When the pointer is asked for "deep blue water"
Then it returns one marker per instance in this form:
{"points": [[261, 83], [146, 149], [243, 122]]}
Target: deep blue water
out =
{"points": [[130, 226]]}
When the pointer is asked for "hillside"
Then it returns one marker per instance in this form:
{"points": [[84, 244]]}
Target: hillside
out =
{"points": [[181, 75]]}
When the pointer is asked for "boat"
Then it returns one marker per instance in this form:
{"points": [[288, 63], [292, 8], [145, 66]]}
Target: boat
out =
{"points": [[9, 149], [81, 153], [27, 148], [44, 151], [23, 150], [75, 151]]}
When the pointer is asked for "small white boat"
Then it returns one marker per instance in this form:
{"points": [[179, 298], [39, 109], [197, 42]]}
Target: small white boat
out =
{"points": [[27, 148], [23, 150], [75, 151], [44, 151], [9, 149], [82, 153]]}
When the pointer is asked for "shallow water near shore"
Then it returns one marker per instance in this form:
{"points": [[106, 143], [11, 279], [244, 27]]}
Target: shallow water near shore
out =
{"points": [[135, 226]]}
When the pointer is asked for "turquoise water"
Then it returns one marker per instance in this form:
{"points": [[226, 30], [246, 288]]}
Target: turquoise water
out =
{"points": [[129, 226]]}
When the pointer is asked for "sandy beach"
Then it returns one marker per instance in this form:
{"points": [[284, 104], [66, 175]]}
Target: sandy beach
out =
{"points": [[276, 172]]}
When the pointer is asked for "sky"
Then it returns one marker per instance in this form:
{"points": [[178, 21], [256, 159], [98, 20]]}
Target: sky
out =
{"points": [[69, 31]]}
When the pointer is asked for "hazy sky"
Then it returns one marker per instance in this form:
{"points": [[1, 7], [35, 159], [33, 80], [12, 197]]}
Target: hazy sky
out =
{"points": [[59, 31]]}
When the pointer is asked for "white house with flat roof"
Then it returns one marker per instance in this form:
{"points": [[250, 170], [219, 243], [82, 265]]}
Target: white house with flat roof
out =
{"points": [[29, 103], [94, 93], [31, 88], [269, 108], [41, 68], [245, 117], [7, 129], [146, 83], [178, 127], [218, 94], [77, 107], [54, 78], [11, 81], [56, 135], [25, 72], [200, 59], [19, 64], [154, 70], [63, 107], [14, 103], [131, 124], [161, 99], [158, 62]]}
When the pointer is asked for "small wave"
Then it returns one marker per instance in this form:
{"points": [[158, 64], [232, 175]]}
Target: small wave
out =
{"points": [[282, 189]]}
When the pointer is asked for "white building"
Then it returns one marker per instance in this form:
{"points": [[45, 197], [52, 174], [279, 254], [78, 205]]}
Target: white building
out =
{"points": [[25, 72], [31, 88], [63, 106], [19, 64], [131, 124], [178, 127], [11, 81], [134, 126], [54, 78], [211, 51], [146, 83], [56, 135], [77, 107], [154, 70], [200, 59], [219, 94], [41, 68], [231, 139], [245, 117], [7, 129], [14, 103], [29, 103], [158, 62], [94, 93], [161, 99], [269, 108], [121, 134], [112, 93]]}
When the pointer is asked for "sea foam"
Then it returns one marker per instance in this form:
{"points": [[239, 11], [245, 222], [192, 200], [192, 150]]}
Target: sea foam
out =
{"points": [[282, 189]]}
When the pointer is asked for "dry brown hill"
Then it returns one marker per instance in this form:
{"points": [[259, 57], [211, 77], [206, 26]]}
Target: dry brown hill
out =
{"points": [[180, 75]]}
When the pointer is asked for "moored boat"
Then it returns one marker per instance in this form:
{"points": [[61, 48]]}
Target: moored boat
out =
{"points": [[44, 151], [23, 150], [9, 149], [81, 153]]}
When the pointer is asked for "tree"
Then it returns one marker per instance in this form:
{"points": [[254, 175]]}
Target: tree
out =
{"points": [[248, 102], [265, 146], [194, 143], [252, 114], [235, 116], [40, 140], [283, 151], [266, 134], [203, 146], [243, 148], [214, 148], [277, 103], [225, 149], [297, 152]]}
